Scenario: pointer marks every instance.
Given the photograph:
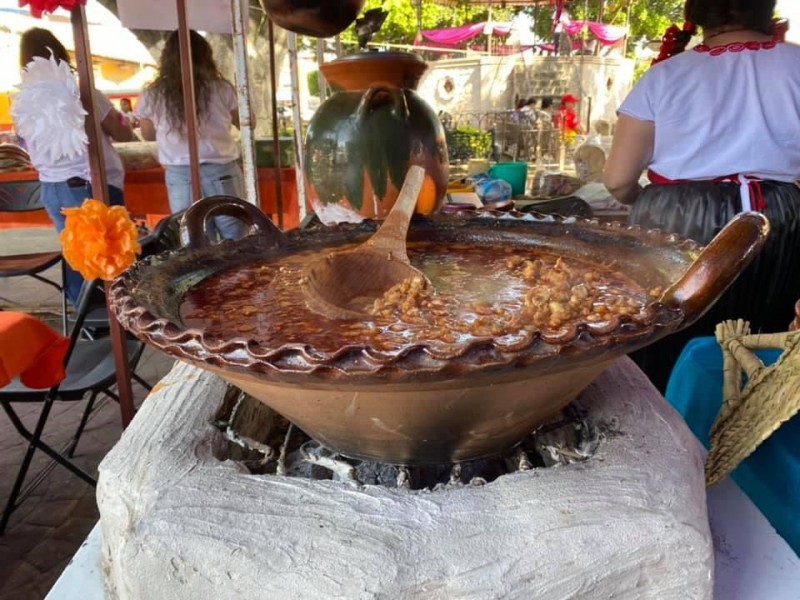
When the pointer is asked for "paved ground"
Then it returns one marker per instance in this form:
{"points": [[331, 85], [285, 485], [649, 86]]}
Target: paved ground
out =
{"points": [[50, 525]]}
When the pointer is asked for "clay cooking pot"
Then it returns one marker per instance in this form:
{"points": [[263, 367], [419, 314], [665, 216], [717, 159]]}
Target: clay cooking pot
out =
{"points": [[317, 18], [422, 404]]}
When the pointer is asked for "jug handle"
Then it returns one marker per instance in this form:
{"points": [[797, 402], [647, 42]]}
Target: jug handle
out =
{"points": [[718, 265], [399, 104], [196, 218]]}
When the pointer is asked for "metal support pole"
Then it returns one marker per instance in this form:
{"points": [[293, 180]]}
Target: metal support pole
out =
{"points": [[83, 58], [628, 29], [241, 62], [320, 77], [491, 29], [189, 100], [276, 142], [298, 125]]}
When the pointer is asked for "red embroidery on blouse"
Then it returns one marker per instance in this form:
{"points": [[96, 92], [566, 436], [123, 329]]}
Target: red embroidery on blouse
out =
{"points": [[735, 47]]}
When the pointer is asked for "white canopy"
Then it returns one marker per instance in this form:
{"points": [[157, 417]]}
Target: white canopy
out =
{"points": [[212, 16]]}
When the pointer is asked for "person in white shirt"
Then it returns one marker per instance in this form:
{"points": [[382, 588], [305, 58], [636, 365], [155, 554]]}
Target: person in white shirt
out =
{"points": [[160, 111], [718, 129], [65, 182], [126, 108], [561, 42]]}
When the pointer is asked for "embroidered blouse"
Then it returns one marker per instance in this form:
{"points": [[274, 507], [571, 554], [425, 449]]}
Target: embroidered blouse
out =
{"points": [[723, 110]]}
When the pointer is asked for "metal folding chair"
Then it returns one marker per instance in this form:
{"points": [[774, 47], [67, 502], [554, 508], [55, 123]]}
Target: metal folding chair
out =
{"points": [[90, 370], [24, 197]]}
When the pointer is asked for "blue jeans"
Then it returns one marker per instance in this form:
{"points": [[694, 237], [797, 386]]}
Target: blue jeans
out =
{"points": [[59, 195], [215, 179]]}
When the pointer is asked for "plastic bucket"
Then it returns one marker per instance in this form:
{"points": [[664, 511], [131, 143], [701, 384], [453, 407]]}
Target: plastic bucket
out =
{"points": [[514, 173]]}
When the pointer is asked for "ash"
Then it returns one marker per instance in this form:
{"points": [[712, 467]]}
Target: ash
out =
{"points": [[266, 443]]}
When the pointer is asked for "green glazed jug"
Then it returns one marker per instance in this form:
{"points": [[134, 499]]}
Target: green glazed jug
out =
{"points": [[361, 142]]}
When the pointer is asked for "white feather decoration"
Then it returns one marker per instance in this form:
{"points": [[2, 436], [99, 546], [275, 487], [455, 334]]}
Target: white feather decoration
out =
{"points": [[47, 110]]}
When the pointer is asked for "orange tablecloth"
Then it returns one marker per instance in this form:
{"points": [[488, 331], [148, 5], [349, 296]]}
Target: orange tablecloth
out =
{"points": [[146, 195], [30, 349]]}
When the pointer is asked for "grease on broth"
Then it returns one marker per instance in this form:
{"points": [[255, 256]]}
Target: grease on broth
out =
{"points": [[480, 292]]}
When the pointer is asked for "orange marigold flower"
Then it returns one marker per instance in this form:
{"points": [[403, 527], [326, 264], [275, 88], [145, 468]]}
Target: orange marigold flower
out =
{"points": [[99, 241]]}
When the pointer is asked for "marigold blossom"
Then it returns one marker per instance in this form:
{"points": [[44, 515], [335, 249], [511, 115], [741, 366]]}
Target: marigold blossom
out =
{"points": [[99, 241]]}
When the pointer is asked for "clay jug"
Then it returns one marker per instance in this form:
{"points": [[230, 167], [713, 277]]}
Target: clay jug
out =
{"points": [[362, 140]]}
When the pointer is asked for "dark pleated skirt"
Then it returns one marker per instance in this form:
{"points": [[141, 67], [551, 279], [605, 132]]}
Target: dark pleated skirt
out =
{"points": [[764, 294]]}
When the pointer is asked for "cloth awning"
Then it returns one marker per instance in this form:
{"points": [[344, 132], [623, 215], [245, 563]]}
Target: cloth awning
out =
{"points": [[607, 34], [453, 36]]}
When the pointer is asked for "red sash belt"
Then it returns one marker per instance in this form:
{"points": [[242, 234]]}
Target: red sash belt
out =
{"points": [[751, 192]]}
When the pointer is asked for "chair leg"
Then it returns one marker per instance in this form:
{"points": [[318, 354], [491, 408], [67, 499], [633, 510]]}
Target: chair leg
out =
{"points": [[82, 425], [64, 295], [11, 505], [62, 290], [142, 382], [35, 443]]}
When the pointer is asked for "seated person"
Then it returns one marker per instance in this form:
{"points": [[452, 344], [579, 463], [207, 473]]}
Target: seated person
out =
{"points": [[590, 161]]}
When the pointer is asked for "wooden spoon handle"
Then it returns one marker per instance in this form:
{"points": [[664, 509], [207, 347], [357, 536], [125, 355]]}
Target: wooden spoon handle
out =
{"points": [[392, 234]]}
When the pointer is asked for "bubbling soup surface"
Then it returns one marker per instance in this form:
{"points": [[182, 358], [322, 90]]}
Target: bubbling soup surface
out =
{"points": [[481, 292]]}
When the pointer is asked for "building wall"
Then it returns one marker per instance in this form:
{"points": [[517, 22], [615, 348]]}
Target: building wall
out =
{"points": [[490, 83]]}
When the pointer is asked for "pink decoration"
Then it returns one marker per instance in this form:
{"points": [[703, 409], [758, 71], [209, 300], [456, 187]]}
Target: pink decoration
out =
{"points": [[456, 35], [39, 7], [573, 28], [607, 34]]}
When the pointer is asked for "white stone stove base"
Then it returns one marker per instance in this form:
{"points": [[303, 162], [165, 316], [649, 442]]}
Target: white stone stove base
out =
{"points": [[629, 523], [753, 562]]}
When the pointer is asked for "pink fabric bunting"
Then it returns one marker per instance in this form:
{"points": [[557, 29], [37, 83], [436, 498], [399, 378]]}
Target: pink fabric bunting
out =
{"points": [[455, 35], [607, 34]]}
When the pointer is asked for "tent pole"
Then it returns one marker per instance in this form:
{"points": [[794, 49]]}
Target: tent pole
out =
{"points": [[627, 28], [320, 77], [297, 124], [97, 168], [240, 21], [276, 142], [189, 100]]}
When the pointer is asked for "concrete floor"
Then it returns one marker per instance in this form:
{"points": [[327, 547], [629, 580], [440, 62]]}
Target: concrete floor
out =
{"points": [[49, 526]]}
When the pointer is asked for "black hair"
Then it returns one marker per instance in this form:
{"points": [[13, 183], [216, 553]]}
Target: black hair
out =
{"points": [[713, 14], [40, 42], [167, 87], [547, 103]]}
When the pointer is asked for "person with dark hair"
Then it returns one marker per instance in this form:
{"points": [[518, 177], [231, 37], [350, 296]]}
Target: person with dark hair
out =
{"points": [[162, 118], [126, 108], [718, 128], [561, 18], [65, 179]]}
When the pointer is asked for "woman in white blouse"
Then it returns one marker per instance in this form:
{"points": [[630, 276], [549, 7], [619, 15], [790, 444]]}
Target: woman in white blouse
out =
{"points": [[717, 127], [160, 111]]}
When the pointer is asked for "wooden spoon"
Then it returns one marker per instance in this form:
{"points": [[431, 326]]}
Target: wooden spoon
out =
{"points": [[344, 285]]}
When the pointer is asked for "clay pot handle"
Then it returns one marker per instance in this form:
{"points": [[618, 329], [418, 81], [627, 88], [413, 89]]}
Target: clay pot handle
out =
{"points": [[195, 220], [399, 104], [718, 265]]}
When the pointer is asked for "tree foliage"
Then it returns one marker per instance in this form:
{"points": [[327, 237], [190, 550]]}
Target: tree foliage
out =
{"points": [[649, 18]]}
